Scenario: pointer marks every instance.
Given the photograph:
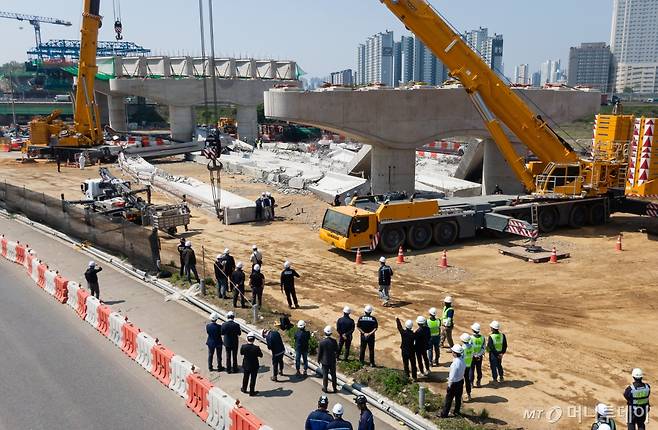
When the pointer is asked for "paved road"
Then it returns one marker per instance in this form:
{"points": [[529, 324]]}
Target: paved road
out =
{"points": [[57, 372]]}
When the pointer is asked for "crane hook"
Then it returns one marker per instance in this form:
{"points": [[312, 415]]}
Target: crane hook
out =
{"points": [[118, 28]]}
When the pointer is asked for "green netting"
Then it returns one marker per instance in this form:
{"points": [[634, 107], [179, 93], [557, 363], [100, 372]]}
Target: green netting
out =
{"points": [[299, 73], [100, 76]]}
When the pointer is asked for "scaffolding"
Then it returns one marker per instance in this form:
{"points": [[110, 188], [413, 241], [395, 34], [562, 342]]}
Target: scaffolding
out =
{"points": [[64, 49]]}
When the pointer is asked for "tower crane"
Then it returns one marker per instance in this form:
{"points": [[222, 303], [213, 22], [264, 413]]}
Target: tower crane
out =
{"points": [[35, 21]]}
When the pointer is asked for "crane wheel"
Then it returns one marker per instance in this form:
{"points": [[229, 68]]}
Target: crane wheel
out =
{"points": [[419, 236], [577, 216], [392, 239], [548, 219], [597, 215], [445, 233]]}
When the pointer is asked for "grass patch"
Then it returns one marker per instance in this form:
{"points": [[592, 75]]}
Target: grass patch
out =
{"points": [[312, 343]]}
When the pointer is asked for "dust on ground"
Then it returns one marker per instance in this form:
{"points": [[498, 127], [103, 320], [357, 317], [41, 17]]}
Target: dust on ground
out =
{"points": [[576, 329]]}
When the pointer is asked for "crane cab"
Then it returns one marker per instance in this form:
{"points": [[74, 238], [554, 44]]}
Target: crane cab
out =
{"points": [[560, 180]]}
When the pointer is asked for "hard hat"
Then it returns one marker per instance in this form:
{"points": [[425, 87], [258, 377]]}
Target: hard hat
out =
{"points": [[433, 312], [262, 194], [476, 327], [347, 310], [323, 401], [495, 325], [286, 265], [338, 409], [226, 251], [219, 256], [92, 263], [368, 309], [256, 267], [360, 399], [603, 410], [604, 426], [268, 194], [240, 265], [348, 194], [637, 373], [328, 330], [254, 247], [457, 349], [115, 137], [409, 324], [188, 243], [230, 315], [448, 299], [251, 336], [301, 324], [421, 320], [214, 316], [382, 259], [465, 337]]}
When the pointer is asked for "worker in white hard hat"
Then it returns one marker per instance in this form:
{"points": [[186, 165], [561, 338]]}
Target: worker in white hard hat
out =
{"points": [[181, 249], [467, 347], [497, 347], [302, 339], [231, 332], [189, 257], [256, 257], [345, 329], [637, 398], [478, 342], [267, 207], [224, 267], [421, 345], [348, 199], [434, 349], [384, 275], [288, 276], [237, 279], [327, 357], [604, 419], [407, 340], [339, 423], [455, 382], [214, 342], [250, 364], [367, 326], [257, 284], [272, 203], [91, 276], [447, 322]]}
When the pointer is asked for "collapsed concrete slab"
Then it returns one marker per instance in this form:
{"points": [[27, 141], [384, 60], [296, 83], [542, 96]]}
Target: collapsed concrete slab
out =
{"points": [[452, 187], [338, 184]]}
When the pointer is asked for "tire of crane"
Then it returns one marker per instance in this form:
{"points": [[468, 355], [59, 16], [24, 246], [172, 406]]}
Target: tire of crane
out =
{"points": [[392, 238], [445, 233], [419, 236], [596, 214], [548, 219], [577, 216]]}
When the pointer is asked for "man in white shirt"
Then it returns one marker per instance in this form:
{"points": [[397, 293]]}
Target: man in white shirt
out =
{"points": [[455, 382]]}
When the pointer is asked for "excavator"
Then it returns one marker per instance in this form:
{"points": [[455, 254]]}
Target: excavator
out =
{"points": [[564, 188]]}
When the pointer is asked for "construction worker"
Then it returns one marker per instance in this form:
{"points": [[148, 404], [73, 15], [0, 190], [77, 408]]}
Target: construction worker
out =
{"points": [[447, 322], [339, 423], [91, 276], [637, 398], [231, 332], [257, 283], [267, 207], [479, 348], [319, 418], [181, 249], [259, 209], [237, 279], [214, 342], [224, 267], [250, 365], [407, 338], [367, 326], [366, 420], [467, 347], [275, 344], [384, 275], [434, 348], [345, 329], [348, 199], [337, 200], [288, 276], [82, 160], [327, 354], [421, 345], [190, 262], [497, 347], [603, 420], [302, 339], [256, 257], [272, 202], [455, 382]]}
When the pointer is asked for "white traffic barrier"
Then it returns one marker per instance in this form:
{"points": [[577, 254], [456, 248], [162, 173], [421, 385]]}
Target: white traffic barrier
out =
{"points": [[11, 251], [180, 369], [116, 324], [145, 344], [50, 276], [28, 251], [92, 311], [72, 300], [220, 405], [35, 269]]}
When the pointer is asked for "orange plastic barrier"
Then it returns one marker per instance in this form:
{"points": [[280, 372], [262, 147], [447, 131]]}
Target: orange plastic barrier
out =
{"points": [[161, 368], [129, 345], [20, 253], [197, 395], [82, 303], [3, 243], [61, 289], [104, 312], [41, 270], [244, 420]]}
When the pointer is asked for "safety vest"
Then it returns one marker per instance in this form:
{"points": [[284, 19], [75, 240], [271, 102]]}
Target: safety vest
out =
{"points": [[497, 339], [640, 395], [468, 354], [435, 326], [477, 343], [445, 316]]}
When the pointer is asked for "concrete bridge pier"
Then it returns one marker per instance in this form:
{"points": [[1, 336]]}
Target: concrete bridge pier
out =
{"points": [[247, 117], [117, 107], [182, 121], [392, 170], [496, 171]]}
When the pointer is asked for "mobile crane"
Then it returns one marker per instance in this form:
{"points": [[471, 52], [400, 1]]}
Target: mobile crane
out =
{"points": [[564, 188]]}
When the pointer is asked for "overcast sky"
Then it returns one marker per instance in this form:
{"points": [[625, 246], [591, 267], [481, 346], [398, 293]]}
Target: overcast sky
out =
{"points": [[321, 35]]}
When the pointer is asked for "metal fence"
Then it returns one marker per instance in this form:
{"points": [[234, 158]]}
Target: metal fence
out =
{"points": [[140, 245]]}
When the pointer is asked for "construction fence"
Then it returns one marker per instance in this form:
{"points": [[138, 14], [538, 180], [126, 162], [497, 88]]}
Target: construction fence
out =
{"points": [[140, 245]]}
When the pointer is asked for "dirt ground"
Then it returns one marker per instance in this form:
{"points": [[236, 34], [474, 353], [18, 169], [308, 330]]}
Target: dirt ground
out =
{"points": [[575, 329]]}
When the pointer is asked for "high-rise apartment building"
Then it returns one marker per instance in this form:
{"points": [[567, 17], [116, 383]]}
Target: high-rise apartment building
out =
{"points": [[407, 59], [489, 48], [522, 75], [590, 65], [378, 60], [361, 64], [550, 72], [343, 77], [397, 63]]}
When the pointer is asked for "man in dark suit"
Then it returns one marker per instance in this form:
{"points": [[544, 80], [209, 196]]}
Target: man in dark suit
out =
{"points": [[231, 331], [275, 344], [250, 365], [91, 275], [327, 355], [214, 341]]}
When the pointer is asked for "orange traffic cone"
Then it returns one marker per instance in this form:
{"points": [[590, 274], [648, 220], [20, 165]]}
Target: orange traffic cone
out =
{"points": [[400, 259], [554, 256], [359, 259], [444, 260], [618, 246]]}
